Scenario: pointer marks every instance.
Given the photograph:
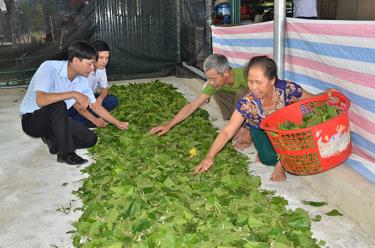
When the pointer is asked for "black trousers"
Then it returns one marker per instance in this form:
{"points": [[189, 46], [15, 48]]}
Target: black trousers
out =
{"points": [[63, 133]]}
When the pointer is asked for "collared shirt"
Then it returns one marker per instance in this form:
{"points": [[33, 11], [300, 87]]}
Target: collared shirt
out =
{"points": [[52, 77], [98, 79], [239, 81], [305, 8], [3, 7]]}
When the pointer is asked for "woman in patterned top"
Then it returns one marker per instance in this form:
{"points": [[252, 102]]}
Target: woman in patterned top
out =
{"points": [[267, 94]]}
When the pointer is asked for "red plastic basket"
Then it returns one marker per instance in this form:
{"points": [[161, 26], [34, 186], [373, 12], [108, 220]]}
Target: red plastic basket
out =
{"points": [[315, 149]]}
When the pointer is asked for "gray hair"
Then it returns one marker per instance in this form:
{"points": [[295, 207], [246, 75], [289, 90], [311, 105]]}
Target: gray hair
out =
{"points": [[217, 62]]}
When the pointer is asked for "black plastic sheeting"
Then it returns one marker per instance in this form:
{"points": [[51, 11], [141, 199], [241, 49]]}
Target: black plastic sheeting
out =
{"points": [[194, 32], [148, 38]]}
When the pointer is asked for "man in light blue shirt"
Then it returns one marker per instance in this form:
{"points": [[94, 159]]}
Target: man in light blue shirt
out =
{"points": [[55, 87], [99, 85], [305, 9]]}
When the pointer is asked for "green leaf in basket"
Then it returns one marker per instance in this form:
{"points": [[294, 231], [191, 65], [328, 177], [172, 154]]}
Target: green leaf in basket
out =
{"points": [[334, 212], [314, 203], [288, 125], [318, 115], [331, 111], [278, 157], [273, 134]]}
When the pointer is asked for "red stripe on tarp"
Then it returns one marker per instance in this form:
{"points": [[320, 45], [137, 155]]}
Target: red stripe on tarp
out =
{"points": [[362, 153], [238, 55], [363, 123], [265, 27], [350, 30], [355, 77]]}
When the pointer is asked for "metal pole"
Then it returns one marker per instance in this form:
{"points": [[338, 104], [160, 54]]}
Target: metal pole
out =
{"points": [[178, 28], [12, 22], [208, 43], [236, 18], [279, 35], [51, 24], [195, 70]]}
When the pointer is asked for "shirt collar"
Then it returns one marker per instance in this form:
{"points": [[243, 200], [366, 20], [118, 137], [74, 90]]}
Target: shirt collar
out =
{"points": [[64, 70], [236, 82], [64, 73]]}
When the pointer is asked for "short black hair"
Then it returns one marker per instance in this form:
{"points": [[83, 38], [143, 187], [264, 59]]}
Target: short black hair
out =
{"points": [[81, 50], [268, 65], [100, 45]]}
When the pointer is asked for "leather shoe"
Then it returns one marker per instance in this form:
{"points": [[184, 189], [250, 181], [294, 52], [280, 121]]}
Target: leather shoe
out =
{"points": [[51, 149], [70, 158]]}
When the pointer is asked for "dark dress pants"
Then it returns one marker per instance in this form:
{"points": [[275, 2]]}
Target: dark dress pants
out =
{"points": [[63, 133]]}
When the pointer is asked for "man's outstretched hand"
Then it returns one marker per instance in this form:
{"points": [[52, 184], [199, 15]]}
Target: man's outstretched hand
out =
{"points": [[160, 130]]}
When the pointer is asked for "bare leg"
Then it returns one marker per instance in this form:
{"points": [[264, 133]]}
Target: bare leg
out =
{"points": [[238, 134], [278, 174], [242, 138]]}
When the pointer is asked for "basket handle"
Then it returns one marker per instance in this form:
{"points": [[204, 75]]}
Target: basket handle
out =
{"points": [[341, 98], [321, 97], [278, 131], [324, 96]]}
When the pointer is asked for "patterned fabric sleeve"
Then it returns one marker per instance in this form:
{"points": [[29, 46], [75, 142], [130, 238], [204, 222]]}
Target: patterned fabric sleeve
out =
{"points": [[242, 106], [293, 92], [249, 109]]}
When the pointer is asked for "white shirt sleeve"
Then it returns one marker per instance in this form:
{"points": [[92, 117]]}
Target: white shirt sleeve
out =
{"points": [[305, 8], [101, 75], [88, 92], [3, 7], [43, 78]]}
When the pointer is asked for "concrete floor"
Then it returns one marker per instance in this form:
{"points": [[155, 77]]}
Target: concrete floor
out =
{"points": [[33, 186]]}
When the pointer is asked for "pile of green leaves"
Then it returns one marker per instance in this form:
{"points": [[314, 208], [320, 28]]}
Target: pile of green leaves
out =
{"points": [[141, 191], [319, 115]]}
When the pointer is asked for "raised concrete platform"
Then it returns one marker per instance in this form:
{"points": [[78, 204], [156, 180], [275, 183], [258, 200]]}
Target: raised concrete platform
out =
{"points": [[349, 192], [33, 186]]}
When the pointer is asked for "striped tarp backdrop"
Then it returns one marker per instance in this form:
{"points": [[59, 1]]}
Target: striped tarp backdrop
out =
{"points": [[240, 43], [320, 54]]}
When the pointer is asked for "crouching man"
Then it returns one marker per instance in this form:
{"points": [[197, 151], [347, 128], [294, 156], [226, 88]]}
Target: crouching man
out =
{"points": [[55, 87]]}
